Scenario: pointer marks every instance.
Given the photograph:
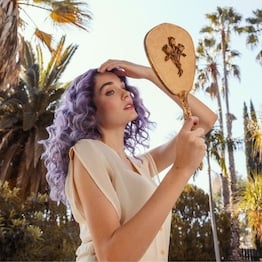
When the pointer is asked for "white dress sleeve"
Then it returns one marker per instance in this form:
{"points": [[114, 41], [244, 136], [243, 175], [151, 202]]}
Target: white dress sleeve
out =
{"points": [[97, 166]]}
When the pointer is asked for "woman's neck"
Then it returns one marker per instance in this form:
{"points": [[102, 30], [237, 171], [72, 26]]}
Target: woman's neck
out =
{"points": [[115, 139]]}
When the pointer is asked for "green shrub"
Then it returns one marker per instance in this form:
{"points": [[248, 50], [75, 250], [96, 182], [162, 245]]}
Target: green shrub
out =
{"points": [[35, 229]]}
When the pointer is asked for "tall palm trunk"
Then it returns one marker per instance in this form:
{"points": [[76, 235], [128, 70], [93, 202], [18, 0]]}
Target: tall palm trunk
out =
{"points": [[224, 175], [212, 215], [235, 251], [9, 69], [229, 120]]}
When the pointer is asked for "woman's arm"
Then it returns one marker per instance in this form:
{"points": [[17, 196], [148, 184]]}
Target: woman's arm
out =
{"points": [[128, 242]]}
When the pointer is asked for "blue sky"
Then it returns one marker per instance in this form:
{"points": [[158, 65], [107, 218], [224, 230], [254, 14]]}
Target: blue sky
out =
{"points": [[118, 30]]}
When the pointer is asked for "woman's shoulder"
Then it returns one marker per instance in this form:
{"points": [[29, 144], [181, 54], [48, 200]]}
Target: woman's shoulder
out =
{"points": [[91, 153], [92, 148], [88, 144]]}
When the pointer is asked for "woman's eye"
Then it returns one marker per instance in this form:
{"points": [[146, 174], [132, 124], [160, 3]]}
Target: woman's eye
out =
{"points": [[110, 92]]}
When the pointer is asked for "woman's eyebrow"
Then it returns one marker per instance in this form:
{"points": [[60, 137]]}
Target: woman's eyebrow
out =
{"points": [[104, 85]]}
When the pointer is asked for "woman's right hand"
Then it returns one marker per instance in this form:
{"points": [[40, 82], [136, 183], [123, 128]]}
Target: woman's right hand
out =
{"points": [[190, 146], [126, 68]]}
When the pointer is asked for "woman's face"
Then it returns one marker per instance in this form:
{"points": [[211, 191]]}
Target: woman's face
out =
{"points": [[113, 102]]}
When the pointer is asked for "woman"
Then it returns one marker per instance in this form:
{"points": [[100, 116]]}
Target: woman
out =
{"points": [[123, 215]]}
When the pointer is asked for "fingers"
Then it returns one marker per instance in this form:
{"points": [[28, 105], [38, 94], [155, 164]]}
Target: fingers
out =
{"points": [[197, 133], [191, 146], [124, 68], [110, 65], [190, 132], [191, 123]]}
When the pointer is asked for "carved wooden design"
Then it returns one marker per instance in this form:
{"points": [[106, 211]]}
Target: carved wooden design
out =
{"points": [[174, 52]]}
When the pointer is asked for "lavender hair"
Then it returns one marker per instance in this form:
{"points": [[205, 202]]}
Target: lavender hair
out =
{"points": [[74, 120]]}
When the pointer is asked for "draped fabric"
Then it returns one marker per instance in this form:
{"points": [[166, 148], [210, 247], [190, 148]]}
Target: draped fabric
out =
{"points": [[127, 191]]}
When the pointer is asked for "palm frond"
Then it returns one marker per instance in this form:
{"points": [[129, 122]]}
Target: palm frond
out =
{"points": [[58, 62], [27, 58], [45, 38], [7, 159], [70, 12]]}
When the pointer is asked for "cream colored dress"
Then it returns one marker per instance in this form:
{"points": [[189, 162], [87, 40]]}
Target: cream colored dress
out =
{"points": [[127, 190]]}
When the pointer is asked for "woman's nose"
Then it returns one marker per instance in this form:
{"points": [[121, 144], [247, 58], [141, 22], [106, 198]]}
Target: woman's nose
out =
{"points": [[125, 94]]}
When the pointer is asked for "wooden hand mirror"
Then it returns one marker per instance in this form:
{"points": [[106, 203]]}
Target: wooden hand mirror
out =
{"points": [[170, 51]]}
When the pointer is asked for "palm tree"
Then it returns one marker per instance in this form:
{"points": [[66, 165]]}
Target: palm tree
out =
{"points": [[222, 23], [254, 30], [207, 78], [26, 111], [14, 19], [9, 68]]}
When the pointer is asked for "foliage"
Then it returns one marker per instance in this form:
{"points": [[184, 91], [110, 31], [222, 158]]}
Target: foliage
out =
{"points": [[35, 229], [253, 141], [215, 65], [250, 205], [218, 56], [253, 30], [256, 142], [25, 112], [191, 234], [27, 227]]}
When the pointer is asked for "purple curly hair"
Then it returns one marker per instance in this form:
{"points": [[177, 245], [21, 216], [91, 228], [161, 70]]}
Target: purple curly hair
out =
{"points": [[74, 120]]}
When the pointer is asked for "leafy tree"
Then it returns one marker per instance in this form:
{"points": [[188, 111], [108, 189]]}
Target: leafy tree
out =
{"points": [[250, 201], [250, 205], [248, 145], [253, 141], [35, 229], [25, 112], [256, 136], [191, 236]]}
